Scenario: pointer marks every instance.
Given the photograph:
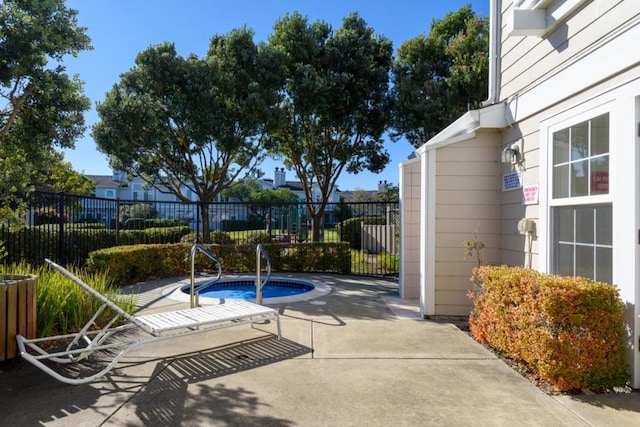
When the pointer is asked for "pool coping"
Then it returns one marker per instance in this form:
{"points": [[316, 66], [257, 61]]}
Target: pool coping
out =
{"points": [[320, 289]]}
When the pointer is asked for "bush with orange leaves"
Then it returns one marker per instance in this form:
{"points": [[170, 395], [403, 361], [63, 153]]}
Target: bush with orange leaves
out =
{"points": [[569, 330]]}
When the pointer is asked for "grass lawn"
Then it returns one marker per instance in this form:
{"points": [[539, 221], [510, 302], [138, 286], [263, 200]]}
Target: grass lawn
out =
{"points": [[330, 234]]}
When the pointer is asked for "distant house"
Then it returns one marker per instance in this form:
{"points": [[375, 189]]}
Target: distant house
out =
{"points": [[547, 174], [119, 187], [279, 180]]}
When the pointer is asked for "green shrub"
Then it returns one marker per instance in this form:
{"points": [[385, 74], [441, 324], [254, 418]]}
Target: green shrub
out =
{"points": [[64, 307], [144, 223], [569, 330], [350, 229], [218, 237], [153, 235], [130, 264], [190, 238], [33, 244], [85, 226], [258, 237], [389, 263], [134, 263]]}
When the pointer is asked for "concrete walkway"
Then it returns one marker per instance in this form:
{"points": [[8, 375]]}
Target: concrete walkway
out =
{"points": [[356, 357]]}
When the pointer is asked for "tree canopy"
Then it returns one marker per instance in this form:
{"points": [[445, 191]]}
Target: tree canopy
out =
{"points": [[190, 123], [335, 102], [56, 174], [438, 77], [41, 107], [259, 200]]}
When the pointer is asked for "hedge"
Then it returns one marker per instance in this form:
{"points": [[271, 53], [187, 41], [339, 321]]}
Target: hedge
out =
{"points": [[130, 264], [144, 223], [33, 244], [569, 330]]}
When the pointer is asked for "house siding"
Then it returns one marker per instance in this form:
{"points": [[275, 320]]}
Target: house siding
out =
{"points": [[526, 61], [592, 46], [466, 204], [587, 64], [410, 187]]}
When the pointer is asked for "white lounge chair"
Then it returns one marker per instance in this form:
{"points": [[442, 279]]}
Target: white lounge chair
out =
{"points": [[153, 327]]}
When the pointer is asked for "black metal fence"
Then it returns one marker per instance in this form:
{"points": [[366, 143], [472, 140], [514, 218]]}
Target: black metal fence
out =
{"points": [[68, 227]]}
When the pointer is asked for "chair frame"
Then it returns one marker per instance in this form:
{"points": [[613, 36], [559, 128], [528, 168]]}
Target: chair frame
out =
{"points": [[154, 327]]}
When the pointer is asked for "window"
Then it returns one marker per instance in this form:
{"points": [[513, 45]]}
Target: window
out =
{"points": [[581, 209], [583, 241], [581, 159], [141, 193]]}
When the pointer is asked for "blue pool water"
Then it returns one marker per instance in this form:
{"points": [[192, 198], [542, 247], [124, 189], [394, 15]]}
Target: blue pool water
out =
{"points": [[246, 289]]}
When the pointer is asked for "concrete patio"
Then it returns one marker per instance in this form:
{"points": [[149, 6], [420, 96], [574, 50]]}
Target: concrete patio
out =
{"points": [[357, 356]]}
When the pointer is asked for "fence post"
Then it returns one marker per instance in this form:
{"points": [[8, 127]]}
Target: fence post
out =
{"points": [[198, 221], [117, 221], [61, 250]]}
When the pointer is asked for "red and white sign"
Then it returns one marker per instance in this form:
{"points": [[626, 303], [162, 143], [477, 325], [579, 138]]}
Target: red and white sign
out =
{"points": [[530, 194], [600, 182]]}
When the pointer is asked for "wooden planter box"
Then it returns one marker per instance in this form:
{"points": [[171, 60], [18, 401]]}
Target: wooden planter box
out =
{"points": [[17, 312]]}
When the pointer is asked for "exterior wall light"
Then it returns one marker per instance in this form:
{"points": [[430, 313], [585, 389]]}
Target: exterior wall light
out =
{"points": [[511, 154]]}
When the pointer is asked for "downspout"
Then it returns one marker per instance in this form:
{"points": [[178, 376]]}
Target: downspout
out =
{"points": [[495, 25]]}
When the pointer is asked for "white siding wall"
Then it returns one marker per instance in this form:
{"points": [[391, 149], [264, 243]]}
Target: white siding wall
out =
{"points": [[410, 184], [528, 61], [592, 46], [466, 202], [513, 245], [530, 65], [588, 63]]}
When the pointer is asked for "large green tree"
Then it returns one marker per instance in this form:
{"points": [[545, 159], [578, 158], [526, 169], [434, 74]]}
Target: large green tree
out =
{"points": [[335, 103], [439, 76], [41, 106], [258, 200], [190, 123], [57, 174]]}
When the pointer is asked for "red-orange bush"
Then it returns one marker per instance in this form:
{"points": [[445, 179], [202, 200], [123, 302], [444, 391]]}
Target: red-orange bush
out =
{"points": [[569, 330]]}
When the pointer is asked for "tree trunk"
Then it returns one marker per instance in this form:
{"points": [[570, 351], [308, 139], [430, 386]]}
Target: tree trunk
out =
{"points": [[316, 225], [204, 214]]}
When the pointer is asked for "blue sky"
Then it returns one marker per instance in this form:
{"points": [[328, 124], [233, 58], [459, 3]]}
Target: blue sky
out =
{"points": [[120, 29]]}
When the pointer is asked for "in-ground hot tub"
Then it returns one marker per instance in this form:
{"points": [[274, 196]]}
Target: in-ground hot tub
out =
{"points": [[278, 290]]}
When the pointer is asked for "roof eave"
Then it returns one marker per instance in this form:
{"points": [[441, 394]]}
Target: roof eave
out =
{"points": [[465, 127]]}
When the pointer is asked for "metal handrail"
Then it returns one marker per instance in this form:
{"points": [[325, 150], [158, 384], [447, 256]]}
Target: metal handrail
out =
{"points": [[260, 250], [194, 293]]}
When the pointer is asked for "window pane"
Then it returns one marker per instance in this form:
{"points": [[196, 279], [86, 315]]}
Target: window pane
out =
{"points": [[561, 147], [604, 225], [600, 135], [580, 141], [604, 265], [579, 178], [561, 181], [564, 224], [584, 225], [584, 261], [564, 260]]}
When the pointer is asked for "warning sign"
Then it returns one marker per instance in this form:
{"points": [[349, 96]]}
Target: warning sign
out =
{"points": [[530, 194], [600, 182]]}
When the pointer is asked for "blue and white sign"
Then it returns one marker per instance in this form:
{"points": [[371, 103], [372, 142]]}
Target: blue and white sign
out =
{"points": [[511, 181]]}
